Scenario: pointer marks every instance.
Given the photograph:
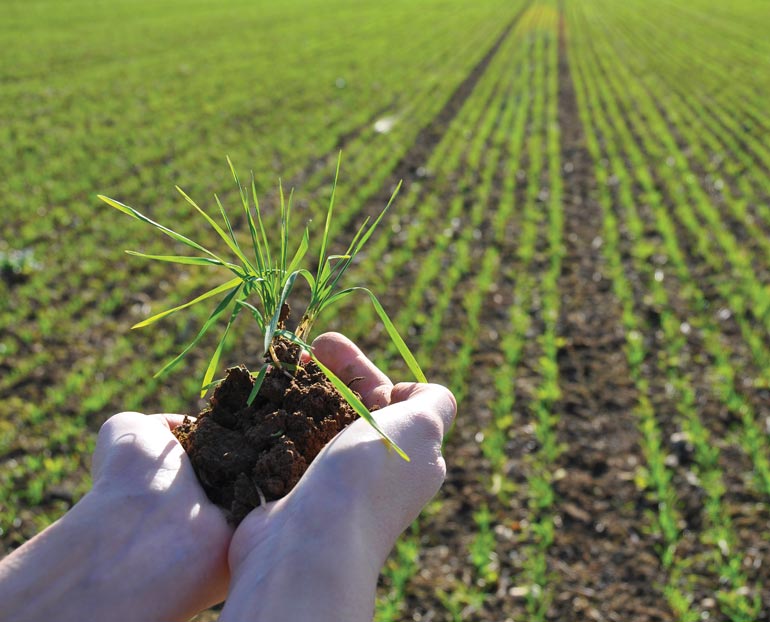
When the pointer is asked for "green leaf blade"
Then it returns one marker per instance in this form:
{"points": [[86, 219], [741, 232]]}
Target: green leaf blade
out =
{"points": [[395, 337], [301, 252], [231, 243], [271, 328], [359, 407], [204, 329], [169, 232], [212, 292], [328, 223], [184, 259], [208, 376], [257, 384]]}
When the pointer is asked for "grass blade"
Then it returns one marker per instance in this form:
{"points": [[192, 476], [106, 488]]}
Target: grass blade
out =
{"points": [[225, 217], [204, 329], [309, 278], [327, 225], [139, 216], [258, 255], [270, 332], [285, 219], [301, 251], [191, 261], [212, 292], [374, 225], [231, 243], [257, 384], [395, 337], [214, 362], [260, 319], [265, 244], [358, 406]]}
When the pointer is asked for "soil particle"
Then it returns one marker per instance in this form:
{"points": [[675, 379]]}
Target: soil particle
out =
{"points": [[247, 454]]}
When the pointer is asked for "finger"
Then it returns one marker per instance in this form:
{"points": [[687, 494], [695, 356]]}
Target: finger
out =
{"points": [[433, 397], [347, 361], [132, 428], [172, 420], [113, 429]]}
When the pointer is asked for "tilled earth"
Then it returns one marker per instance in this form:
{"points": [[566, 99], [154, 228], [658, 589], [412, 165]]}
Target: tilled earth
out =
{"points": [[606, 559]]}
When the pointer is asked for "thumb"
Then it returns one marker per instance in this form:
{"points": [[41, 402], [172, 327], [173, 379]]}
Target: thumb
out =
{"points": [[435, 398]]}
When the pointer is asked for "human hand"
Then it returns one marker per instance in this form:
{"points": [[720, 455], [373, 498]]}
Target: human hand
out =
{"points": [[179, 533], [144, 544], [316, 554]]}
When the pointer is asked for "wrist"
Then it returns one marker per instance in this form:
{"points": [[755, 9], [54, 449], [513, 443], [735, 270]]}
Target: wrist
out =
{"points": [[52, 575], [306, 569], [117, 557]]}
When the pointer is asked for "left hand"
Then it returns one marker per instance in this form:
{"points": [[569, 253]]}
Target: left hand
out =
{"points": [[144, 544]]}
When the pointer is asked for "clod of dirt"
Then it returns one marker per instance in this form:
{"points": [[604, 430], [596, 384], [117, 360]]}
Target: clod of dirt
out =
{"points": [[244, 455]]}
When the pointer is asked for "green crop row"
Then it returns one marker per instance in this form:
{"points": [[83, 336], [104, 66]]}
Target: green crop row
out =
{"points": [[658, 477], [744, 294], [549, 195], [733, 153], [472, 165], [448, 256], [719, 533], [66, 331]]}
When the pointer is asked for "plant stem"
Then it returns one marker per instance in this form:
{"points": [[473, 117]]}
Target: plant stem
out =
{"points": [[303, 329]]}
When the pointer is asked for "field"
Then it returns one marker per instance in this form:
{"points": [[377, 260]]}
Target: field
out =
{"points": [[581, 251]]}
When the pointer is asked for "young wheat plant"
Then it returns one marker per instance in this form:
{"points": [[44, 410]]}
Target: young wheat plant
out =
{"points": [[262, 282]]}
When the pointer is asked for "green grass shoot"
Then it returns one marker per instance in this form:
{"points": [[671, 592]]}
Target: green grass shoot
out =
{"points": [[263, 282]]}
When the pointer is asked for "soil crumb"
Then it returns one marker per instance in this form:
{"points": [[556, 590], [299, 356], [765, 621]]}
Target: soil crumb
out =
{"points": [[245, 455]]}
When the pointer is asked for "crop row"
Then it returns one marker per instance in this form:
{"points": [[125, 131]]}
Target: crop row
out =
{"points": [[66, 332], [743, 294], [546, 196], [730, 162], [458, 252], [623, 145], [526, 236]]}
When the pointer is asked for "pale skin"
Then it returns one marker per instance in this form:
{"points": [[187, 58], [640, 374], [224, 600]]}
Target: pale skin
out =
{"points": [[146, 544]]}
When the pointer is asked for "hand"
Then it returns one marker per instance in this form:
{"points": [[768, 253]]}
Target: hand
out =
{"points": [[316, 554], [144, 544]]}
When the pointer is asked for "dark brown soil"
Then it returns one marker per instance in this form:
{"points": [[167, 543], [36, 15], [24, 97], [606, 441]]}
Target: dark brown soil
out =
{"points": [[607, 563], [245, 455], [606, 558]]}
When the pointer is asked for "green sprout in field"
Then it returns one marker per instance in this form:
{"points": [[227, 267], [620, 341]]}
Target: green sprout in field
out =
{"points": [[262, 283]]}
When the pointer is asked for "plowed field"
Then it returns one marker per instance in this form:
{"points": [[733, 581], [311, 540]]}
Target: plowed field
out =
{"points": [[581, 251]]}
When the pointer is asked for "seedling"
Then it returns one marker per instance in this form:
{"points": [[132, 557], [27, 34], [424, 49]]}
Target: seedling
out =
{"points": [[262, 283]]}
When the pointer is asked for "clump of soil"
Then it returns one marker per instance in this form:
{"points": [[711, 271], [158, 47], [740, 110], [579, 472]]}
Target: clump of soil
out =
{"points": [[246, 455]]}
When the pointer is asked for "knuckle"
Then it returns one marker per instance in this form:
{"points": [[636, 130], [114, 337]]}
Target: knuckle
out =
{"points": [[428, 426], [117, 423]]}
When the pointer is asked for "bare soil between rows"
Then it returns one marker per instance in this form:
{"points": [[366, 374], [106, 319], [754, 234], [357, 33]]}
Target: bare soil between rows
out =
{"points": [[605, 562]]}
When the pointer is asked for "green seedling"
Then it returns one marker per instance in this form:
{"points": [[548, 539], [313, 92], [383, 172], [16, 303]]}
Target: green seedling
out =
{"points": [[261, 285]]}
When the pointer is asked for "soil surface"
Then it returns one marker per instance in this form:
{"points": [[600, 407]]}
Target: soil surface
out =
{"points": [[245, 455], [607, 563], [606, 558]]}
